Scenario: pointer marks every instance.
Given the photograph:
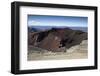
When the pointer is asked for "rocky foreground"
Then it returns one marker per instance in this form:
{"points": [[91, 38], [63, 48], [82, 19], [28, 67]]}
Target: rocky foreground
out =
{"points": [[79, 51]]}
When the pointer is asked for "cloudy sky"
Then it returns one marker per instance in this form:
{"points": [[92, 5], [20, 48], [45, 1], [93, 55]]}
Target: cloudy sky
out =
{"points": [[44, 20]]}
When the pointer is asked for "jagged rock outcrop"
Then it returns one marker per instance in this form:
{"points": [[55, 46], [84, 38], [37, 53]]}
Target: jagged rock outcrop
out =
{"points": [[56, 38]]}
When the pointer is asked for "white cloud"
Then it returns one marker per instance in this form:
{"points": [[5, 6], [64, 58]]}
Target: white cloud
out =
{"points": [[32, 22]]}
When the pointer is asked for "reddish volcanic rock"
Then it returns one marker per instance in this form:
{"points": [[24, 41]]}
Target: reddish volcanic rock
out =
{"points": [[51, 42], [56, 38]]}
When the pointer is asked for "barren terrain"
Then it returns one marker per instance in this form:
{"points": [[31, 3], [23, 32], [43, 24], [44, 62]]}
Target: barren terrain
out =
{"points": [[75, 52]]}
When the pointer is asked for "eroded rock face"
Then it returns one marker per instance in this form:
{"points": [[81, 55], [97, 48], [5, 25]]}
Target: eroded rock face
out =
{"points": [[56, 39], [50, 42]]}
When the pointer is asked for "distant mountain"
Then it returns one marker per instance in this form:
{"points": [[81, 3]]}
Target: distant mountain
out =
{"points": [[44, 28], [32, 29], [56, 39], [84, 29]]}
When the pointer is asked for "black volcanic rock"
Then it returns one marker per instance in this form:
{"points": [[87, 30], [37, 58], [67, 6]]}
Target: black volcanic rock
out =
{"points": [[56, 38]]}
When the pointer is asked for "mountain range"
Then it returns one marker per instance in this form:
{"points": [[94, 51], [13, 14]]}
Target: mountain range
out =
{"points": [[43, 28]]}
